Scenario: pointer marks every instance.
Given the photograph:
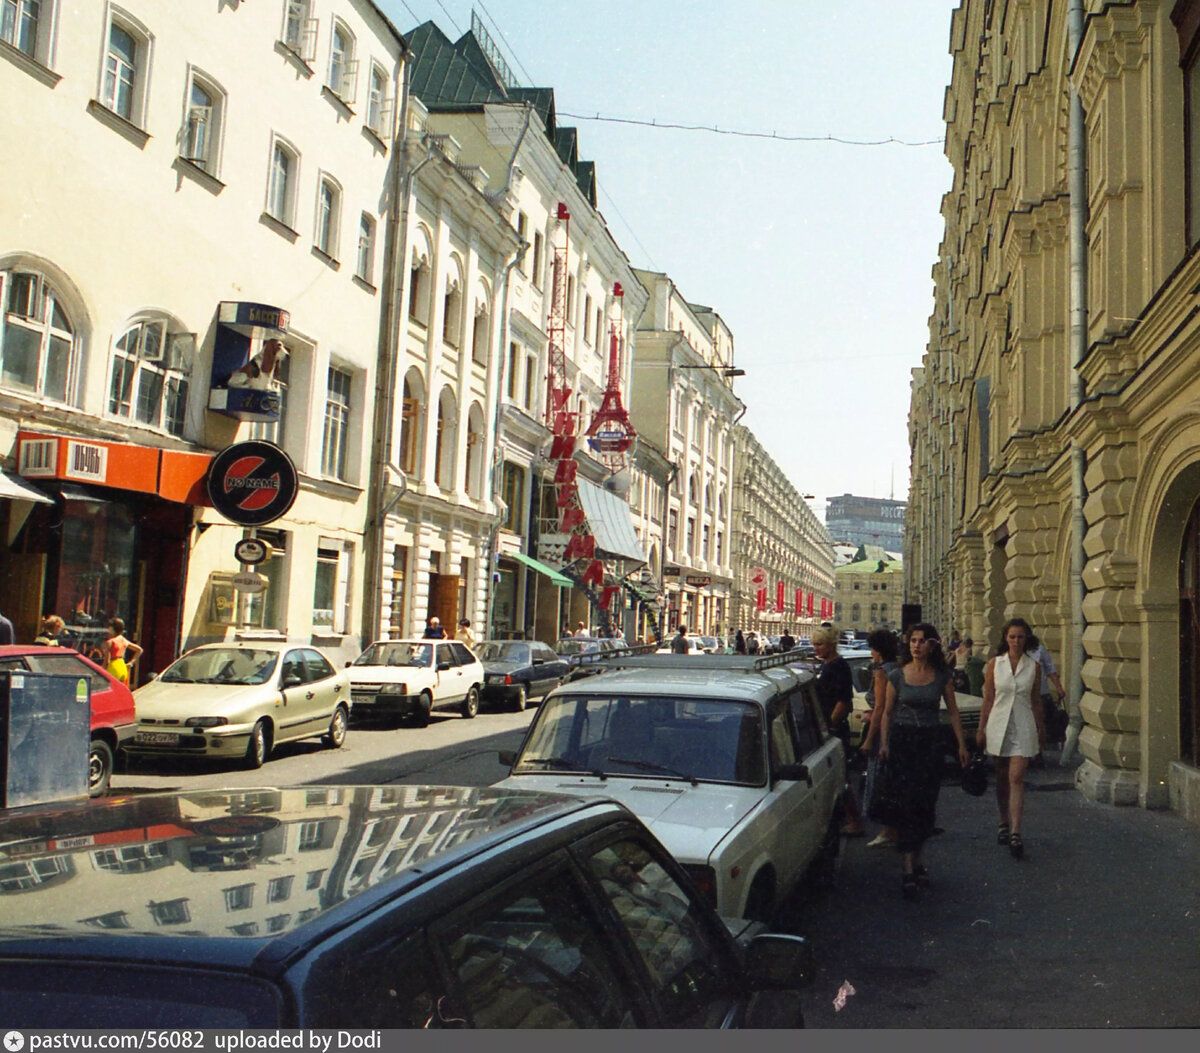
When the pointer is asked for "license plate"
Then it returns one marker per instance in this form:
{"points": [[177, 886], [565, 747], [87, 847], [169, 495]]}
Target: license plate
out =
{"points": [[156, 738]]}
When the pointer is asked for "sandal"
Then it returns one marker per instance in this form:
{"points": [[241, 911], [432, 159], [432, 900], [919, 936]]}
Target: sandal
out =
{"points": [[1016, 846], [922, 875], [1003, 835], [908, 886]]}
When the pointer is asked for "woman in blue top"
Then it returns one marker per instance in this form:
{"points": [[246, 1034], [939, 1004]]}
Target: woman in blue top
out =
{"points": [[910, 742]]}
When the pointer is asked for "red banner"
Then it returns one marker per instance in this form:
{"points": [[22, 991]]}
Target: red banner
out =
{"points": [[760, 599], [810, 604], [799, 601], [779, 596], [580, 546], [606, 597], [595, 573]]}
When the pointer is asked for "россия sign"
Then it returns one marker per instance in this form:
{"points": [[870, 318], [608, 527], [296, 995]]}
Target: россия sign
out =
{"points": [[251, 483]]}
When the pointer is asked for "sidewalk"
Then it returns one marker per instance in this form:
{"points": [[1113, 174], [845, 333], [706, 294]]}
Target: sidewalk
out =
{"points": [[1098, 926]]}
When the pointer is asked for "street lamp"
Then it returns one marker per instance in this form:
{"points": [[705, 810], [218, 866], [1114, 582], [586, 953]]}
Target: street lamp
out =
{"points": [[725, 371]]}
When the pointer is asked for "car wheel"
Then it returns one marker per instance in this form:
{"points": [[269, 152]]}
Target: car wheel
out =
{"points": [[259, 746], [761, 902], [521, 699], [335, 737], [424, 709], [100, 768], [470, 704]]}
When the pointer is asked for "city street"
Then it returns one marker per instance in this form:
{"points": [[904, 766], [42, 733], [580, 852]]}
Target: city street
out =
{"points": [[1099, 926]]}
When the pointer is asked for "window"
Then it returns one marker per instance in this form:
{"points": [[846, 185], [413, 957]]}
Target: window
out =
{"points": [[512, 487], [364, 266], [399, 578], [530, 380], [720, 546], [265, 610], [335, 441], [409, 451], [479, 333], [201, 138], [475, 452], [522, 227], [299, 30], [587, 319], [281, 189], [239, 897], [672, 529], [538, 242], [447, 436], [121, 79], [418, 290], [691, 535], [452, 313], [150, 371], [171, 912], [343, 67], [571, 299], [514, 361], [279, 888], [19, 24], [330, 586], [38, 352], [329, 210], [704, 541], [599, 328], [379, 107]]}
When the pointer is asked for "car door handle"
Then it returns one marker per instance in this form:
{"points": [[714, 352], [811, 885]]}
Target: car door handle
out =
{"points": [[308, 694]]}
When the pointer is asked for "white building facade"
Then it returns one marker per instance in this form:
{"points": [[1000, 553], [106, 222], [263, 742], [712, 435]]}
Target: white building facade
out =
{"points": [[212, 184]]}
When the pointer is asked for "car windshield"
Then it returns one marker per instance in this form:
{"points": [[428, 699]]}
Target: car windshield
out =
{"points": [[500, 651], [577, 646], [710, 740], [222, 665], [396, 654]]}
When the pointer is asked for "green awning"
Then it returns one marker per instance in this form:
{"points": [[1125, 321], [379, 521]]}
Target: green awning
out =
{"points": [[561, 580]]}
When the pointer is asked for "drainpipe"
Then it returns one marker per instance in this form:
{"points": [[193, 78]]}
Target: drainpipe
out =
{"points": [[1077, 186], [385, 371]]}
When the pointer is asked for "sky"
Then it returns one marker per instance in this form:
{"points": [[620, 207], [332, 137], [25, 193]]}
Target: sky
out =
{"points": [[817, 254]]}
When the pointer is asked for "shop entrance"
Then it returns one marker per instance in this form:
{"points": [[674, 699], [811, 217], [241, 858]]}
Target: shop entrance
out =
{"points": [[1189, 640]]}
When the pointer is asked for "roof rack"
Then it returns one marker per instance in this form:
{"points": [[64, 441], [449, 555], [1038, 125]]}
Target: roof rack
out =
{"points": [[592, 657], [645, 658]]}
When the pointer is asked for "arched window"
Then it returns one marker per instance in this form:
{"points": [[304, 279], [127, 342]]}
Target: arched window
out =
{"points": [[481, 329], [452, 304], [39, 352], [150, 370], [411, 415], [447, 434], [475, 451], [419, 286]]}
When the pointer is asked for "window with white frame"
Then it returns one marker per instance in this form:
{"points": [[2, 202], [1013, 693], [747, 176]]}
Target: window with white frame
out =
{"points": [[300, 29], [203, 118], [150, 370], [22, 26], [38, 348], [447, 440], [330, 585], [514, 365], [343, 66], [267, 609], [336, 439], [418, 289], [281, 187], [364, 263], [126, 68], [522, 227], [479, 333], [452, 313], [538, 242], [475, 451], [379, 106], [530, 381], [329, 210], [587, 318], [409, 450]]}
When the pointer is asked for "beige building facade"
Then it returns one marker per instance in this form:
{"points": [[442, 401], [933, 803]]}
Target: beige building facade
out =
{"points": [[783, 555], [1002, 398], [869, 591]]}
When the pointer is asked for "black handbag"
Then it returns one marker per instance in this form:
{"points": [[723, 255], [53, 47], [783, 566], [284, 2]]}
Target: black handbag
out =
{"points": [[975, 775], [886, 799]]}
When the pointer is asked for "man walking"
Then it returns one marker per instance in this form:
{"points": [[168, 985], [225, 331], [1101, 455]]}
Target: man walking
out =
{"points": [[679, 643]]}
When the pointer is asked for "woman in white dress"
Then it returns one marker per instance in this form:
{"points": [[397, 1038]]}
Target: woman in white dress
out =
{"points": [[1010, 723]]}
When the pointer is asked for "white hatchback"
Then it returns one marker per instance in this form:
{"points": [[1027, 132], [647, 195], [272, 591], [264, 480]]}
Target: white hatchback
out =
{"points": [[411, 678], [725, 757]]}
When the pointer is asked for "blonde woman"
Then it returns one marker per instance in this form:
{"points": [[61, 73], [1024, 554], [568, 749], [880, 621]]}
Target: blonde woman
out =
{"points": [[1011, 724]]}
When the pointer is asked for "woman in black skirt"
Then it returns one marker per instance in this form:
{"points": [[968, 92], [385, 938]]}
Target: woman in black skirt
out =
{"points": [[910, 746]]}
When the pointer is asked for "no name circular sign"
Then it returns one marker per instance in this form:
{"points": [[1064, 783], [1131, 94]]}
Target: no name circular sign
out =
{"points": [[251, 483]]}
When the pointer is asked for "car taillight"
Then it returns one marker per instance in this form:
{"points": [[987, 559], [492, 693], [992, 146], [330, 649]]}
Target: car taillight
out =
{"points": [[508, 678], [705, 880]]}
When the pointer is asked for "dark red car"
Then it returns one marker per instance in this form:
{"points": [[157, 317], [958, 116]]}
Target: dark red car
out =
{"points": [[113, 714]]}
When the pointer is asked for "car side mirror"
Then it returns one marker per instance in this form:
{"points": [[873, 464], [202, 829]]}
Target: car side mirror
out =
{"points": [[292, 681], [349, 664], [151, 676], [508, 757], [778, 962], [443, 666], [793, 773]]}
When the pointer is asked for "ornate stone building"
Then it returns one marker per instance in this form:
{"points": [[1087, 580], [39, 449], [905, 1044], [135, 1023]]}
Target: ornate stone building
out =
{"points": [[782, 553], [1055, 418]]}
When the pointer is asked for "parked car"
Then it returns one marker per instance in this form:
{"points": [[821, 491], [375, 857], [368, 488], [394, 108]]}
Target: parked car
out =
{"points": [[725, 757], [113, 713], [412, 678], [710, 644], [575, 645], [241, 700], [514, 671], [369, 907]]}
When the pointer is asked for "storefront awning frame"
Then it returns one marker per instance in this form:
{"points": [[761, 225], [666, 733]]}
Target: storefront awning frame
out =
{"points": [[561, 580]]}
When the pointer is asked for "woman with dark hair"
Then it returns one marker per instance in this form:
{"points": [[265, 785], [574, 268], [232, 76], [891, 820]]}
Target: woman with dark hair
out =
{"points": [[739, 643], [910, 745], [1010, 723], [884, 652]]}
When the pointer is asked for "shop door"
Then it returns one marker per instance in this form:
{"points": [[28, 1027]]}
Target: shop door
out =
{"points": [[163, 531], [23, 578], [443, 600]]}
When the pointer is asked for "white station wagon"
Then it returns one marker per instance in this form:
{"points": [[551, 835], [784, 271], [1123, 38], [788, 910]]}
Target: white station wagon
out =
{"points": [[411, 678], [725, 757]]}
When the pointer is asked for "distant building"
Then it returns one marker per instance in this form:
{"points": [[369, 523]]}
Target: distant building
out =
{"points": [[869, 590], [866, 521]]}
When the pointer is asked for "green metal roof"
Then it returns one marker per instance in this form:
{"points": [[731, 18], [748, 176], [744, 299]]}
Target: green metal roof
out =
{"points": [[446, 76]]}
